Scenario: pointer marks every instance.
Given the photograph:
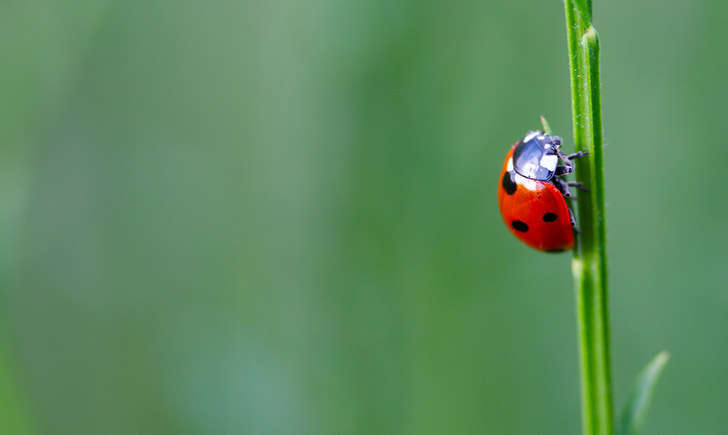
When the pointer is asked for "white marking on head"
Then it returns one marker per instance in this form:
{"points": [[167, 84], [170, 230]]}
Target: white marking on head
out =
{"points": [[509, 166], [549, 162]]}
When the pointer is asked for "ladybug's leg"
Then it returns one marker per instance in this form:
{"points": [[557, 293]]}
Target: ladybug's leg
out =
{"points": [[578, 184], [563, 186], [573, 221], [578, 155], [568, 166]]}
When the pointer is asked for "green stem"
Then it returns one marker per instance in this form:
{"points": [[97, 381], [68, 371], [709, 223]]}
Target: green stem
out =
{"points": [[589, 265]]}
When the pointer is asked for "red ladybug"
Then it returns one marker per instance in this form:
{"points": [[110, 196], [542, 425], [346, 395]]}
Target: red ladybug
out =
{"points": [[532, 192]]}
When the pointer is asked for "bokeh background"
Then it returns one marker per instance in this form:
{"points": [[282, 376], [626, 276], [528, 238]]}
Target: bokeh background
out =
{"points": [[279, 217]]}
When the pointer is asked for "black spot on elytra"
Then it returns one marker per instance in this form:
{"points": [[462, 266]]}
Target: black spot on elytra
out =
{"points": [[519, 226], [508, 184], [549, 217]]}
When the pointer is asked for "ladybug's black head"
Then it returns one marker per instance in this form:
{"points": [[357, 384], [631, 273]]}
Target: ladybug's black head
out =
{"points": [[536, 156]]}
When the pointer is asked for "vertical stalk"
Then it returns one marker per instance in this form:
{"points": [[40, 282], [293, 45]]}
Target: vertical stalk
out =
{"points": [[589, 265]]}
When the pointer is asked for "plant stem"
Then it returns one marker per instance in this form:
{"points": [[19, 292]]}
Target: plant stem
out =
{"points": [[589, 265]]}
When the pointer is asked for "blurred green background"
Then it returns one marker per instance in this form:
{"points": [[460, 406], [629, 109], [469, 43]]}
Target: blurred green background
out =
{"points": [[279, 217]]}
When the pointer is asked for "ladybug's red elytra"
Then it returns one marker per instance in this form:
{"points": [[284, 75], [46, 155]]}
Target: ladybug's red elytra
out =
{"points": [[532, 192]]}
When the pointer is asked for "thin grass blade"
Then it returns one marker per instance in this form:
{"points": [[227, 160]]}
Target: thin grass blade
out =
{"points": [[639, 402]]}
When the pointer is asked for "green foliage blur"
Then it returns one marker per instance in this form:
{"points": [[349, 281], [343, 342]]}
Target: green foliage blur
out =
{"points": [[279, 217]]}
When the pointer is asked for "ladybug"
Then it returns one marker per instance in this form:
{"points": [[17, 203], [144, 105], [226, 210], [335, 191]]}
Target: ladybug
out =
{"points": [[532, 193]]}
